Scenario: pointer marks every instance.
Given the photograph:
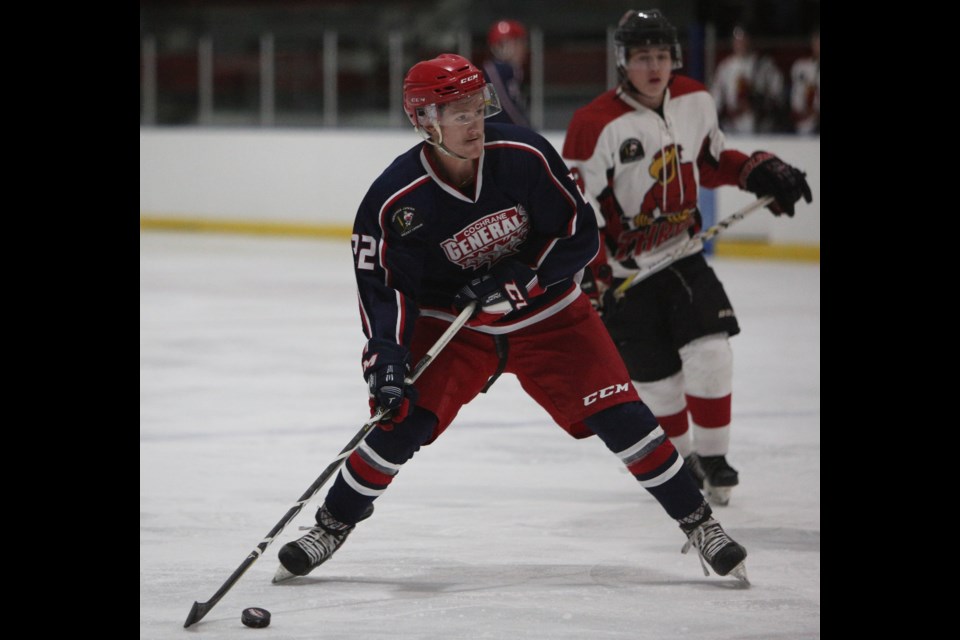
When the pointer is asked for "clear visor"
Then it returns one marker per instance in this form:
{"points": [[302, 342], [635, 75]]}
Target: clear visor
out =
{"points": [[468, 110]]}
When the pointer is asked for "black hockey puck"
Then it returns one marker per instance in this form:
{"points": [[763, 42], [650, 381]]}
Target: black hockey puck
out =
{"points": [[255, 617]]}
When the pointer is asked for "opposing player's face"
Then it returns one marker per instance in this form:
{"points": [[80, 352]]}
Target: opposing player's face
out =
{"points": [[462, 125], [649, 69], [512, 50]]}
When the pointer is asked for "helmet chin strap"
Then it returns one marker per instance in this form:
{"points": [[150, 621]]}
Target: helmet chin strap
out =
{"points": [[442, 148], [630, 88], [625, 81]]}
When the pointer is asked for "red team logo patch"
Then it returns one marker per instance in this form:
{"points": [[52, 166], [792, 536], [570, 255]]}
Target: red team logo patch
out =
{"points": [[667, 209], [487, 240]]}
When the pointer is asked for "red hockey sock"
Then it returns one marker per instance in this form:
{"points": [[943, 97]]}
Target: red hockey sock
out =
{"points": [[709, 413], [676, 425]]}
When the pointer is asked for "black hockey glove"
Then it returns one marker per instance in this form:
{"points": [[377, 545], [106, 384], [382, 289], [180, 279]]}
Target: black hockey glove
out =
{"points": [[386, 365], [596, 280], [507, 287], [767, 175]]}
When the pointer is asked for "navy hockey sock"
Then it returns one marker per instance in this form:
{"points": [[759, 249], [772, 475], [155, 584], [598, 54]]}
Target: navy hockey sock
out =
{"points": [[631, 431], [372, 466]]}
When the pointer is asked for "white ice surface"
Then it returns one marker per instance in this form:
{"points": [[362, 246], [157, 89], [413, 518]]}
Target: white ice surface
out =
{"points": [[504, 528]]}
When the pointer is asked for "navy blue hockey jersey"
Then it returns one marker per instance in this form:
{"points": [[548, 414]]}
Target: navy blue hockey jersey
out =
{"points": [[417, 240]]}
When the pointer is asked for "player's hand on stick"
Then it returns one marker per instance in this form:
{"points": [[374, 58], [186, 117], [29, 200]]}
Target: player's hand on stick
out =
{"points": [[386, 366], [597, 279], [507, 287], [767, 175]]}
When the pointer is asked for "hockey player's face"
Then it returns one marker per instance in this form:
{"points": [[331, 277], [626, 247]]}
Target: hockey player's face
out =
{"points": [[648, 69], [462, 125]]}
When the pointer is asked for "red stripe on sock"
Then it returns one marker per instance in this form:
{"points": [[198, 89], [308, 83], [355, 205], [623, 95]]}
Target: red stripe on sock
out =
{"points": [[675, 425], [652, 460], [363, 471], [710, 412]]}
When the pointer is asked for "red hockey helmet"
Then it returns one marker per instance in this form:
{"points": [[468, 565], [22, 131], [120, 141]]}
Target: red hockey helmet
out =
{"points": [[442, 80], [505, 29]]}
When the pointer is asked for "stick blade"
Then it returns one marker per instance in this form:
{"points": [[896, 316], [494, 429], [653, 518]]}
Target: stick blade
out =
{"points": [[197, 611]]}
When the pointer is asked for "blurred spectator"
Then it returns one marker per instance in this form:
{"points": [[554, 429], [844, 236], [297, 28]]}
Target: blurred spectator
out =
{"points": [[748, 88], [505, 70], [805, 89]]}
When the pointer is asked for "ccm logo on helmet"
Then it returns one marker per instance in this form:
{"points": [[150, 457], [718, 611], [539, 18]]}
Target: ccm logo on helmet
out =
{"points": [[470, 78], [606, 392]]}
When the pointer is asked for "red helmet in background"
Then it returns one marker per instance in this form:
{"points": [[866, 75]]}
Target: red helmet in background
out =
{"points": [[444, 79], [504, 30]]}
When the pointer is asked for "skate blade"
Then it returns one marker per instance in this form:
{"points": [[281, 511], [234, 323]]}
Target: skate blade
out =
{"points": [[740, 573], [282, 575], [717, 496]]}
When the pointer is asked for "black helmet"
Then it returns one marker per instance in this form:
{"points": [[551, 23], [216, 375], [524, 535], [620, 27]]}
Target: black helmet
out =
{"points": [[643, 28]]}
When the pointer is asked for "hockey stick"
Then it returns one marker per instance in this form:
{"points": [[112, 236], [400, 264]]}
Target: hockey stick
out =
{"points": [[703, 236], [200, 609]]}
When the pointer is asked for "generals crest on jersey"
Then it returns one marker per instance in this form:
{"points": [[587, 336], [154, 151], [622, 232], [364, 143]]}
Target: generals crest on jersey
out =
{"points": [[406, 220], [488, 239], [630, 151]]}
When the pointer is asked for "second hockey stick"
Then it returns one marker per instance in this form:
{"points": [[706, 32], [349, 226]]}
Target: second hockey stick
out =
{"points": [[200, 609], [703, 236]]}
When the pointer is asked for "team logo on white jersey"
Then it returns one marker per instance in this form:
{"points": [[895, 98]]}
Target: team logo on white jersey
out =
{"points": [[487, 240], [630, 151], [668, 208]]}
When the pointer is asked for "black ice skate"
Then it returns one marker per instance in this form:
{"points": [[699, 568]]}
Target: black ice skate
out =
{"points": [[692, 464], [715, 547], [300, 557], [719, 479]]}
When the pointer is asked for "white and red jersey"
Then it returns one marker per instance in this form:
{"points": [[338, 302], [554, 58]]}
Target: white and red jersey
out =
{"points": [[805, 95], [641, 169], [745, 88]]}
